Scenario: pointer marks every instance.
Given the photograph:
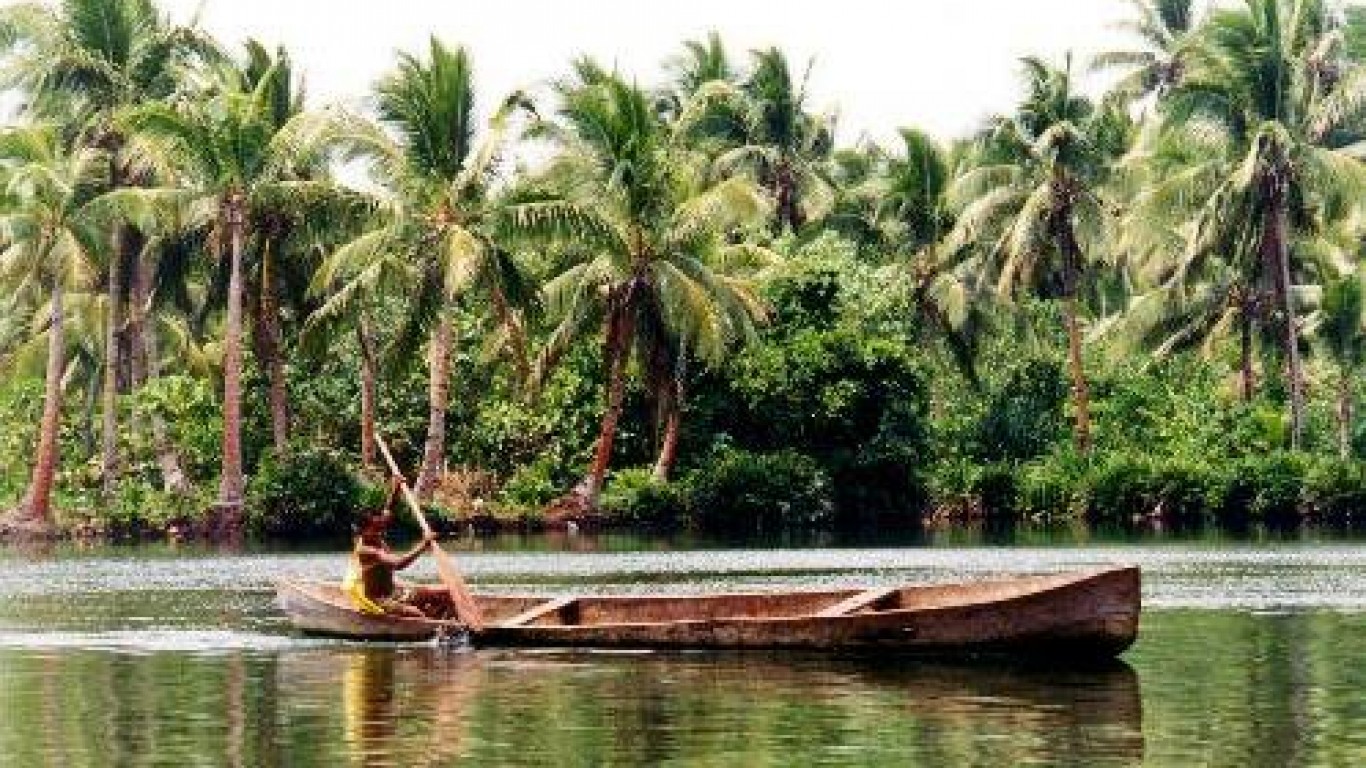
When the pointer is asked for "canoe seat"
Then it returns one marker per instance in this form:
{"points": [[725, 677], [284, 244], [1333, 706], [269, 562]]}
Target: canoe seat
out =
{"points": [[536, 612], [854, 603]]}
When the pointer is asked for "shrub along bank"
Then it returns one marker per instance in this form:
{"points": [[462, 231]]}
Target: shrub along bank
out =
{"points": [[847, 413]]}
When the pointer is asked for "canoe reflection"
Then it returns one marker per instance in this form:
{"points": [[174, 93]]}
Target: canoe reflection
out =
{"points": [[397, 704], [424, 706]]}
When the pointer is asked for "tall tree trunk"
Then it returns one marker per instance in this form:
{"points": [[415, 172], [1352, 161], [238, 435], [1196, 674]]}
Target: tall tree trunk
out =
{"points": [[272, 346], [38, 500], [619, 331], [1081, 396], [139, 289], [1345, 413], [232, 484], [367, 394], [1248, 376], [789, 211], [1276, 254], [438, 398], [173, 477], [109, 396], [672, 406]]}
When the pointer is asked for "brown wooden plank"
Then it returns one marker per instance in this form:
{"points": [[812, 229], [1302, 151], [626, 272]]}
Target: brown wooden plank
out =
{"points": [[851, 604], [537, 612]]}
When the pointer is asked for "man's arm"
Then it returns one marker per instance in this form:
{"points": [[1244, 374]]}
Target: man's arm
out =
{"points": [[396, 562], [403, 561]]}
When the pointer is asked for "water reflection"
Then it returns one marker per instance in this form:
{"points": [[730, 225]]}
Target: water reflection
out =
{"points": [[556, 708], [1220, 688], [419, 706], [1248, 656]]}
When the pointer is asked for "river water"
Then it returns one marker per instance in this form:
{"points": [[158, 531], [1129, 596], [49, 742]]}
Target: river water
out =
{"points": [[1252, 653]]}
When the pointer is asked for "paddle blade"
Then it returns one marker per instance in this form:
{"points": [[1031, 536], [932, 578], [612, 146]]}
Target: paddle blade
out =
{"points": [[466, 609]]}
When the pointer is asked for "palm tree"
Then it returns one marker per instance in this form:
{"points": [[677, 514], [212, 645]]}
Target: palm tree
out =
{"points": [[1163, 30], [1267, 82], [1194, 288], [445, 227], [1029, 203], [233, 165], [1344, 336], [913, 215], [701, 62], [761, 128], [282, 239], [52, 235], [651, 262], [82, 63]]}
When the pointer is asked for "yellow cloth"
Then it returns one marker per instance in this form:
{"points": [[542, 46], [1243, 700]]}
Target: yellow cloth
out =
{"points": [[353, 586]]}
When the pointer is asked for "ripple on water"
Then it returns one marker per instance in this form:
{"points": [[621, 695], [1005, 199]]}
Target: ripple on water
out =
{"points": [[158, 641], [118, 657], [1175, 575]]}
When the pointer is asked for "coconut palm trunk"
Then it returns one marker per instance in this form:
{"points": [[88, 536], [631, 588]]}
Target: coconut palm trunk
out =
{"points": [[671, 403], [38, 500], [1081, 396], [173, 477], [438, 398], [1345, 413], [367, 394], [1071, 255], [109, 393], [1276, 255], [271, 343], [267, 343], [785, 190], [1247, 374], [232, 484], [620, 331]]}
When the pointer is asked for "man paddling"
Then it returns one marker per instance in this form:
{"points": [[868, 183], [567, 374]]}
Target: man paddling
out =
{"points": [[370, 581]]}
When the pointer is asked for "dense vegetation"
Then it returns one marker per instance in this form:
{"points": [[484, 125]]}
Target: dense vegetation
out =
{"points": [[693, 308]]}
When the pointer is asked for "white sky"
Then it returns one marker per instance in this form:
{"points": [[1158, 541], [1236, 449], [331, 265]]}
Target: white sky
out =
{"points": [[941, 65]]}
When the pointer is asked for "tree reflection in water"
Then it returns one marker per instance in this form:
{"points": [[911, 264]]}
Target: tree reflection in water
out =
{"points": [[1224, 688]]}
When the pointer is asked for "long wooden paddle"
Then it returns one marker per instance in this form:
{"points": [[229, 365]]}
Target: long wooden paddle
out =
{"points": [[465, 608]]}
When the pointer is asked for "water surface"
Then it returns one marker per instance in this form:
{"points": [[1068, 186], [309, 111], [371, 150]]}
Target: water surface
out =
{"points": [[1251, 653]]}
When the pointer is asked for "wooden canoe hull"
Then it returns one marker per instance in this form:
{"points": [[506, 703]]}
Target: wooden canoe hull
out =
{"points": [[1093, 613], [322, 610]]}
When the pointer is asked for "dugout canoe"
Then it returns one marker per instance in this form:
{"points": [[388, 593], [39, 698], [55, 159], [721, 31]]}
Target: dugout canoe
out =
{"points": [[1092, 613]]}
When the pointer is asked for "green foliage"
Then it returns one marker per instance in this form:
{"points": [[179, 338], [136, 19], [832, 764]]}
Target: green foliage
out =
{"points": [[857, 331], [1024, 416], [142, 510], [1335, 490], [740, 491], [21, 406], [1267, 488], [1052, 486], [534, 484], [190, 411], [857, 405], [306, 492], [504, 433], [1120, 488], [633, 495], [826, 281]]}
